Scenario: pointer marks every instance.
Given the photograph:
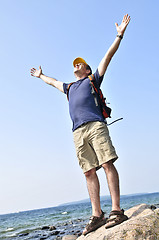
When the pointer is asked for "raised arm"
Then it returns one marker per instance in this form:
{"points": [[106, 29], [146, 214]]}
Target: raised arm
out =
{"points": [[113, 48], [51, 81]]}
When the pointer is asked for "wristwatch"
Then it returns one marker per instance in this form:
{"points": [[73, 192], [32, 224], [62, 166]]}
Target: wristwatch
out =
{"points": [[119, 36]]}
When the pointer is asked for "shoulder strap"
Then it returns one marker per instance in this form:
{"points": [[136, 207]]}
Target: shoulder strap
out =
{"points": [[91, 77], [93, 83], [94, 88]]}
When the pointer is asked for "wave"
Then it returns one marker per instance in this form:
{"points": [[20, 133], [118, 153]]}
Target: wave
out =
{"points": [[63, 213]]}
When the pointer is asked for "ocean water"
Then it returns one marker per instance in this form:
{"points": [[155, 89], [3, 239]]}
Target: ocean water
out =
{"points": [[67, 219]]}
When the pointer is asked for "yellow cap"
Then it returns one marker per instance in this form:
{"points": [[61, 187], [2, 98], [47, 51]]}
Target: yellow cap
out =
{"points": [[79, 60]]}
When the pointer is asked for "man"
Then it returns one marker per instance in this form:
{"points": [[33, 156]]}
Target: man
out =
{"points": [[92, 141]]}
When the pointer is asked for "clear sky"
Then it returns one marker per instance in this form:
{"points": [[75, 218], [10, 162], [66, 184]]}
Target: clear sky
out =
{"points": [[38, 164]]}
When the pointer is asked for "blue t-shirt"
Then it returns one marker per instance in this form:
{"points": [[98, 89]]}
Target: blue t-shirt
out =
{"points": [[82, 107]]}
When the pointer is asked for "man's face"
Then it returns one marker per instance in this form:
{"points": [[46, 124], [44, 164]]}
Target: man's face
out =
{"points": [[80, 68]]}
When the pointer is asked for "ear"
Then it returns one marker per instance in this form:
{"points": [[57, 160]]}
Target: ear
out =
{"points": [[88, 71]]}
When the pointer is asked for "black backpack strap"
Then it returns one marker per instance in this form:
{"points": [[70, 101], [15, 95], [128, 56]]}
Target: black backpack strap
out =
{"points": [[115, 121], [68, 88], [94, 88], [99, 98]]}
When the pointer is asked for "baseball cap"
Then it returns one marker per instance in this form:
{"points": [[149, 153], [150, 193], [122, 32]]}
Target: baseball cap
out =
{"points": [[79, 60]]}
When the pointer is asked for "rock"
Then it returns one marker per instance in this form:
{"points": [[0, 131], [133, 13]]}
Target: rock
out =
{"points": [[55, 233], [51, 228], [69, 237], [23, 234], [143, 223], [78, 233], [79, 220], [153, 207], [45, 228]]}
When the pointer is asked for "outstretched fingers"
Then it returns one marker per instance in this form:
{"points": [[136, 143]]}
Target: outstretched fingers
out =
{"points": [[32, 71], [126, 19], [36, 72]]}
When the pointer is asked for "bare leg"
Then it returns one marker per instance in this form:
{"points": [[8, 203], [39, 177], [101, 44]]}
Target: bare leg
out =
{"points": [[113, 184], [93, 189]]}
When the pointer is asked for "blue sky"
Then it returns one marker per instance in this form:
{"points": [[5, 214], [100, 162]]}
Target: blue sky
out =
{"points": [[38, 165]]}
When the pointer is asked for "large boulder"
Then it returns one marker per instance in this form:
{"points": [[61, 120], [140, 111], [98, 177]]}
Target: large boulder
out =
{"points": [[143, 223]]}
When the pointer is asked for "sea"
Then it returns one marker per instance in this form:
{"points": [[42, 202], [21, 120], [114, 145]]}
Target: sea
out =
{"points": [[67, 219]]}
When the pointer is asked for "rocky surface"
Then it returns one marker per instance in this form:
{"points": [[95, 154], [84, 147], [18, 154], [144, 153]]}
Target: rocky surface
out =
{"points": [[143, 223], [70, 237]]}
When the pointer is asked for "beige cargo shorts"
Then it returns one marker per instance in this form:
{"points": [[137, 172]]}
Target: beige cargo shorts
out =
{"points": [[93, 145]]}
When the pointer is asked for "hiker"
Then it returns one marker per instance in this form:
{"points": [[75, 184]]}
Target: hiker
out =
{"points": [[91, 136]]}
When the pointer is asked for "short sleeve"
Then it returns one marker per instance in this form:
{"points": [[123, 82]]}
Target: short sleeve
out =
{"points": [[65, 86], [98, 78]]}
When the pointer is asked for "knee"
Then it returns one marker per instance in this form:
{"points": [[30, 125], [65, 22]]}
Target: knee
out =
{"points": [[90, 173], [108, 165]]}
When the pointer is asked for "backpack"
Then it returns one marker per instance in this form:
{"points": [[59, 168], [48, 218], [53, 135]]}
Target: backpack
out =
{"points": [[101, 101], [98, 98]]}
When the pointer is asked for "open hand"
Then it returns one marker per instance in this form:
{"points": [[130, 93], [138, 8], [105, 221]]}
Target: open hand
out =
{"points": [[121, 29], [36, 72]]}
